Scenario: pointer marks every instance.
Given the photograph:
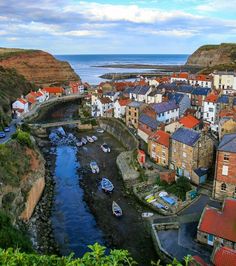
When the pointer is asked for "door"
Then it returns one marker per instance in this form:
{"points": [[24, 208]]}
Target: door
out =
{"points": [[210, 240]]}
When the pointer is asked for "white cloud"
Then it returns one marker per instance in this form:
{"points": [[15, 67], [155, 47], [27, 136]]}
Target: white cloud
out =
{"points": [[172, 32], [217, 5], [81, 33]]}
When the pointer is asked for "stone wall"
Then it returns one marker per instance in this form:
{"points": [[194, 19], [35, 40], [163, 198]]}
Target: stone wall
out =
{"points": [[118, 130]]}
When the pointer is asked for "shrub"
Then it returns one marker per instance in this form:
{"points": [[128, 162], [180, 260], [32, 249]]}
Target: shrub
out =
{"points": [[23, 138]]}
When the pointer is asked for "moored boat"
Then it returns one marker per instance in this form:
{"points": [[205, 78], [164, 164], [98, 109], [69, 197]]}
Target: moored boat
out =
{"points": [[94, 167], [84, 140], [107, 185], [116, 209], [147, 214], [89, 139]]}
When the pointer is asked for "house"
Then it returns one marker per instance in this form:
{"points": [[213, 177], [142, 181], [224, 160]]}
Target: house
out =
{"points": [[223, 256], [76, 87], [210, 108], [198, 97], [155, 96], [201, 80], [37, 96], [147, 126], [167, 176], [120, 106], [225, 80], [189, 121], [227, 125], [217, 227], [172, 127], [54, 91], [185, 89], [102, 106], [181, 99], [140, 93], [132, 113], [20, 106], [158, 147], [113, 95], [225, 169], [187, 153], [182, 76], [166, 111]]}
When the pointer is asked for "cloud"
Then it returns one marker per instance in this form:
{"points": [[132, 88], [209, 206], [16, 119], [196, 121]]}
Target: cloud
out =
{"points": [[216, 5], [172, 32]]}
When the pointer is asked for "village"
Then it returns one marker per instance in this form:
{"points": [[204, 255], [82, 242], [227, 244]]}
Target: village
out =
{"points": [[186, 127]]}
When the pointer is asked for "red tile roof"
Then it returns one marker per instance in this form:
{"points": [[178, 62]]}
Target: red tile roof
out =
{"points": [[54, 89], [124, 102], [212, 97], [22, 100], [189, 121], [220, 223], [183, 75], [228, 113], [31, 100], [161, 137], [199, 260], [224, 256], [105, 100]]}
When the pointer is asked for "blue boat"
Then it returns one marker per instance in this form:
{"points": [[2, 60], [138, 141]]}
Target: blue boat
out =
{"points": [[107, 185]]}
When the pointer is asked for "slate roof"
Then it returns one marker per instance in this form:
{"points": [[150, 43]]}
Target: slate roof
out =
{"points": [[135, 104], [234, 101], [185, 88], [223, 99], [155, 92], [201, 91], [186, 136], [177, 97], [201, 171], [228, 143], [149, 121], [142, 90], [164, 106]]}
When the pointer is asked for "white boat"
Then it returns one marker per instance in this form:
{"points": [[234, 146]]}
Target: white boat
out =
{"points": [[107, 185], [94, 167], [79, 143], [94, 138], [116, 209], [105, 148], [84, 140], [89, 139], [100, 130], [147, 214]]}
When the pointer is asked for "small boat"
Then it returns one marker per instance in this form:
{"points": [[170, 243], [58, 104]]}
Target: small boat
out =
{"points": [[94, 138], [116, 209], [100, 130], [89, 139], [105, 148], [147, 214], [94, 167], [107, 186], [84, 140], [79, 143]]}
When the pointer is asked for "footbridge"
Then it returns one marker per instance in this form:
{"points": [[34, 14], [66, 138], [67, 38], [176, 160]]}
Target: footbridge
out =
{"points": [[56, 124]]}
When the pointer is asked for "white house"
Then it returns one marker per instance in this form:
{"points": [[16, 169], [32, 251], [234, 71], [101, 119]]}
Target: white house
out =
{"points": [[113, 95], [182, 76], [166, 111], [201, 80], [20, 106], [120, 107], [140, 93], [210, 108], [153, 82], [155, 97], [102, 107], [225, 80]]}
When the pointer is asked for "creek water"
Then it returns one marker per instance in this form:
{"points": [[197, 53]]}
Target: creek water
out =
{"points": [[73, 224]]}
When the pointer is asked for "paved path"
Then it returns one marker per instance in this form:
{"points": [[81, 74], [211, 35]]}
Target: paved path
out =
{"points": [[12, 127]]}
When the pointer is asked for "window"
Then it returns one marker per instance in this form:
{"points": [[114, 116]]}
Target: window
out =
{"points": [[129, 113], [183, 165], [226, 157], [235, 190], [184, 154], [183, 145], [174, 150], [223, 187], [211, 109], [225, 170]]}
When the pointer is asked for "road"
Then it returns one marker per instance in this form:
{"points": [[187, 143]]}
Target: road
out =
{"points": [[12, 127]]}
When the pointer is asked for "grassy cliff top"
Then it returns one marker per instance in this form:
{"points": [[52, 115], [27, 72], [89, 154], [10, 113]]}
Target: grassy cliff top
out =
{"points": [[9, 52]]}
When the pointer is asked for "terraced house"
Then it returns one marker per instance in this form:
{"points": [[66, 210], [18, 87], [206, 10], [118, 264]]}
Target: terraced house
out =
{"points": [[166, 111], [190, 151], [133, 111], [225, 170]]}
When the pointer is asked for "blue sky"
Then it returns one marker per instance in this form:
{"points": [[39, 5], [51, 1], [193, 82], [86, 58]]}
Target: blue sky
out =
{"points": [[99, 26]]}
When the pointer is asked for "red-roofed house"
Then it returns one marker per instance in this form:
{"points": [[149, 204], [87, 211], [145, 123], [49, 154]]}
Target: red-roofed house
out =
{"points": [[224, 256], [54, 91], [218, 227], [210, 108], [158, 147], [102, 107], [189, 121], [201, 80], [182, 76], [119, 107], [20, 106]]}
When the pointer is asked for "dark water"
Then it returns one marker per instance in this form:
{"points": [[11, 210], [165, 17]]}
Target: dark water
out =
{"points": [[74, 226], [84, 64]]}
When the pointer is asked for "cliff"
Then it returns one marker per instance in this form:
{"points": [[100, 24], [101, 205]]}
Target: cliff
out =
{"points": [[220, 55], [37, 66]]}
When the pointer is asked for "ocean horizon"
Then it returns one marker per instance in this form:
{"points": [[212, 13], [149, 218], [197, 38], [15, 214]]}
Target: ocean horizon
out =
{"points": [[85, 64]]}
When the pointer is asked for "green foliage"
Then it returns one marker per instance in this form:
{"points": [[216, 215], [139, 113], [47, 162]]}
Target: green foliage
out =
{"points": [[14, 163], [178, 188], [22, 138], [12, 237], [25, 127]]}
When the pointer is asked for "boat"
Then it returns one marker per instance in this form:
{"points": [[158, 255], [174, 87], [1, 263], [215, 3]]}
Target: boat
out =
{"points": [[100, 130], [105, 148], [116, 209], [147, 214], [84, 140], [89, 139], [107, 186], [94, 167], [94, 138], [79, 143]]}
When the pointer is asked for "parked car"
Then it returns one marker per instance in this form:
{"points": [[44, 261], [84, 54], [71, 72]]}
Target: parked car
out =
{"points": [[6, 129], [105, 147], [2, 134]]}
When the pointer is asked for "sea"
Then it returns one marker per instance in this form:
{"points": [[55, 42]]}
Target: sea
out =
{"points": [[86, 65]]}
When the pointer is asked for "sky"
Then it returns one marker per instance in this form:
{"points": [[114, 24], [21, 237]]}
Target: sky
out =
{"points": [[116, 27]]}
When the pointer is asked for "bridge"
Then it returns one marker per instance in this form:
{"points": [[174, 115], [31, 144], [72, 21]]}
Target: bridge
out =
{"points": [[56, 124]]}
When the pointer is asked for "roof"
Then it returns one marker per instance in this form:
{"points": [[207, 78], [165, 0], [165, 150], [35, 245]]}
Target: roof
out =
{"points": [[234, 101], [161, 137], [201, 91], [180, 75], [31, 100], [149, 121], [189, 121], [201, 77], [54, 89], [105, 100], [228, 143], [142, 90], [135, 104], [177, 97], [124, 102], [185, 88], [110, 93], [199, 260], [224, 256], [22, 100], [201, 171], [212, 97], [220, 223], [155, 92], [186, 136], [164, 106], [223, 99]]}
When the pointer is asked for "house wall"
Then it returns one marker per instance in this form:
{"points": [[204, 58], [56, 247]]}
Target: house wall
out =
{"points": [[224, 81], [172, 127], [209, 112], [158, 152], [168, 116], [228, 127], [132, 115], [119, 111], [184, 104], [201, 83]]}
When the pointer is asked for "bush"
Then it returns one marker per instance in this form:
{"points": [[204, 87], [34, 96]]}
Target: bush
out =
{"points": [[23, 138]]}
